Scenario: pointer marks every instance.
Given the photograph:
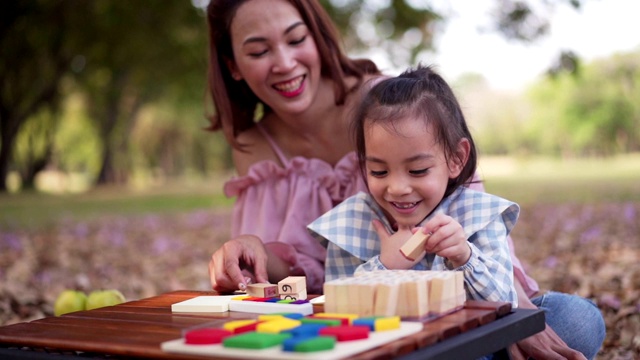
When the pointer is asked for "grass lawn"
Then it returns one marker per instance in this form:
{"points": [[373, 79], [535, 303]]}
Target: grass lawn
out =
{"points": [[577, 233], [532, 181]]}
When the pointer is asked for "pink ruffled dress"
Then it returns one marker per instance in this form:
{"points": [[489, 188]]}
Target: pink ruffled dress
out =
{"points": [[276, 203]]}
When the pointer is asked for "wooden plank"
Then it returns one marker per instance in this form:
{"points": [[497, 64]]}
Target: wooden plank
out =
{"points": [[501, 308], [78, 338]]}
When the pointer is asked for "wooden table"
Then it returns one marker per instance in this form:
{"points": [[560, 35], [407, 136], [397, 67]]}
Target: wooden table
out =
{"points": [[137, 328]]}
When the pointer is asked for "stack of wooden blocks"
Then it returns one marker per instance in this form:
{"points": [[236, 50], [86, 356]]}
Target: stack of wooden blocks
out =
{"points": [[290, 288], [405, 293]]}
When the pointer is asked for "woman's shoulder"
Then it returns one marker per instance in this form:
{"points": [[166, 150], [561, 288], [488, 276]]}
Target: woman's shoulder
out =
{"points": [[255, 148]]}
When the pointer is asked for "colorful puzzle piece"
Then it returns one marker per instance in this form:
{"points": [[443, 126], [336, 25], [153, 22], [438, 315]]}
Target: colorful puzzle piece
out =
{"points": [[309, 344], [206, 336], [255, 340], [305, 341]]}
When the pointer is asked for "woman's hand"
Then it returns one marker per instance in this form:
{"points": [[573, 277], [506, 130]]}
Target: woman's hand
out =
{"points": [[447, 240], [239, 261]]}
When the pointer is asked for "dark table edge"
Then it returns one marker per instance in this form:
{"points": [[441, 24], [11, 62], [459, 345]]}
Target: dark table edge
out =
{"points": [[486, 339]]}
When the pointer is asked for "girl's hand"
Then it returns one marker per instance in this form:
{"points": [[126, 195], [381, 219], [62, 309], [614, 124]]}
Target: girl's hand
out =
{"points": [[390, 245], [238, 262], [447, 240]]}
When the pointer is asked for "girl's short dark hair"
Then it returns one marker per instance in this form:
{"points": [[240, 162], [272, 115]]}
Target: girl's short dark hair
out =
{"points": [[418, 93], [234, 102]]}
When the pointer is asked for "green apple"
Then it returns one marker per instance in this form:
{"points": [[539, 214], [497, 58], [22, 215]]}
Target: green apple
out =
{"points": [[102, 298], [69, 301]]}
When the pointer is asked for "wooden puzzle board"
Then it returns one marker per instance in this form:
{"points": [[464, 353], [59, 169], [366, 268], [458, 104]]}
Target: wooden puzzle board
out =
{"points": [[342, 349]]}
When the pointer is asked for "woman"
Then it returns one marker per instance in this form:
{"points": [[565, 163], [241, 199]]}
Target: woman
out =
{"points": [[288, 70], [297, 162]]}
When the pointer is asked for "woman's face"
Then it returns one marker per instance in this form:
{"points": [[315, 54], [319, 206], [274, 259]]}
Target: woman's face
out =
{"points": [[275, 53]]}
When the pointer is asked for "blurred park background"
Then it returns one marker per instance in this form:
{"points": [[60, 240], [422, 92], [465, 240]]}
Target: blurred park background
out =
{"points": [[109, 180]]}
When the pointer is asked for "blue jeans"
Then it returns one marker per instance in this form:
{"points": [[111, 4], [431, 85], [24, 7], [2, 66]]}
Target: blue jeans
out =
{"points": [[576, 320]]}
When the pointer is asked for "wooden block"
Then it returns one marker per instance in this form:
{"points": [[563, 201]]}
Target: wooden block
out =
{"points": [[269, 307], [461, 294], [302, 295], [203, 304], [417, 296], [307, 329], [330, 290], [262, 290], [414, 247], [235, 324], [342, 299], [321, 321], [309, 344], [292, 285], [379, 323], [386, 299], [342, 350], [346, 333], [254, 340], [206, 336], [387, 323], [353, 296], [247, 328], [442, 289], [349, 317], [366, 299], [277, 326]]}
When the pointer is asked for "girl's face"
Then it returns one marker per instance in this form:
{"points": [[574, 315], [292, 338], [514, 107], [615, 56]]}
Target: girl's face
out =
{"points": [[275, 54], [406, 169]]}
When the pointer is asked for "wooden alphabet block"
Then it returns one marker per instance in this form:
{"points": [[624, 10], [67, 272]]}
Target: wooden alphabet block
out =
{"points": [[414, 247], [292, 285], [302, 295], [262, 290]]}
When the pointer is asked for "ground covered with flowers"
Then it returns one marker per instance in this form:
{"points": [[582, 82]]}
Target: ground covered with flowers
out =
{"points": [[591, 250]]}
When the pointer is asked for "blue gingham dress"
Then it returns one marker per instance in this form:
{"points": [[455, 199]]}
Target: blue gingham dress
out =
{"points": [[353, 244]]}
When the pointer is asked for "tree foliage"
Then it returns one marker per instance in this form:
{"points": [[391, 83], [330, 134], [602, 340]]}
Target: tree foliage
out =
{"points": [[131, 60], [593, 111]]}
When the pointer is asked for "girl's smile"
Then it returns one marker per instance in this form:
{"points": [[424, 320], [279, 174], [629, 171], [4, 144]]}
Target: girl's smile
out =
{"points": [[407, 171]]}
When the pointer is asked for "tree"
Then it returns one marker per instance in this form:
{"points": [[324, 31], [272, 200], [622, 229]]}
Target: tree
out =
{"points": [[36, 45], [124, 55], [142, 50], [591, 111]]}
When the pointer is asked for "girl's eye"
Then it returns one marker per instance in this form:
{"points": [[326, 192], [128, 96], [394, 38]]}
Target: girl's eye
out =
{"points": [[419, 172], [377, 173], [298, 41]]}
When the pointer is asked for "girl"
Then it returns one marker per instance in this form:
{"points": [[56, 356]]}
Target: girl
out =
{"points": [[416, 154]]}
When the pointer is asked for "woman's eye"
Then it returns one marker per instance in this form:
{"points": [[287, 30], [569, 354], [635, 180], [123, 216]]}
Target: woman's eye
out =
{"points": [[256, 54], [298, 41], [378, 173], [419, 172]]}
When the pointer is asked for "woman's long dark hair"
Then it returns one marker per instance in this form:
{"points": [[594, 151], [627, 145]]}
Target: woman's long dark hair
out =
{"points": [[235, 104]]}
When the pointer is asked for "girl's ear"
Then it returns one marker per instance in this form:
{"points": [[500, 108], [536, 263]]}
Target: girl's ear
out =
{"points": [[459, 159], [233, 69]]}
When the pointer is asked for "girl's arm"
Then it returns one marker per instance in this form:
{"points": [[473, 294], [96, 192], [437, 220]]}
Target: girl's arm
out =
{"points": [[488, 274]]}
